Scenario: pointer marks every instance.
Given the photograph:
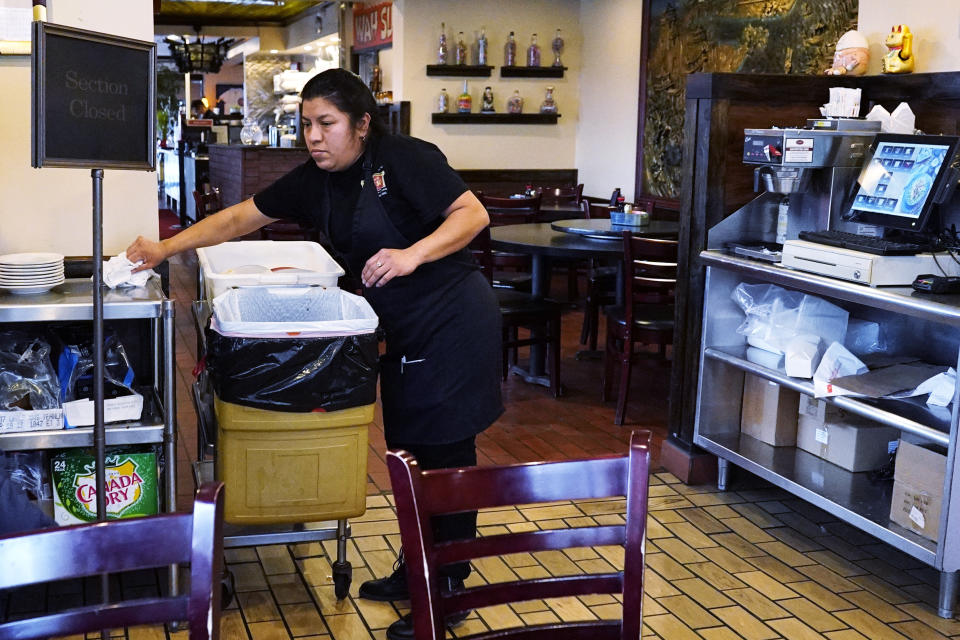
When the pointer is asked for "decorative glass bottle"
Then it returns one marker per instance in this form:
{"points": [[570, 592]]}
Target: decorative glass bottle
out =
{"points": [[533, 52], [251, 133], [510, 51], [460, 53], [442, 47], [443, 101], [464, 102], [515, 103], [486, 103], [548, 105], [557, 47], [482, 47]]}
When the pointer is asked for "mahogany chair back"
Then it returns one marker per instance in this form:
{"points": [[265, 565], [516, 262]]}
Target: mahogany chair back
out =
{"points": [[123, 545], [420, 495], [562, 195], [207, 201], [511, 210]]}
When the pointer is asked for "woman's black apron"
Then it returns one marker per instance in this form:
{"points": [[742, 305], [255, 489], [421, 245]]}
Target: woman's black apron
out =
{"points": [[440, 375]]}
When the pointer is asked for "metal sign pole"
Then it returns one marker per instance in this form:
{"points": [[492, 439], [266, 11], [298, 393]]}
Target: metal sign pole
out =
{"points": [[99, 432]]}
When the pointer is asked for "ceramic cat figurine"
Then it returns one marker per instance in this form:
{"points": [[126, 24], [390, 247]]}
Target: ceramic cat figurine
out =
{"points": [[899, 57]]}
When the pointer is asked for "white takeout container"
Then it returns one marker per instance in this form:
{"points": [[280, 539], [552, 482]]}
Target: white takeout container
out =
{"points": [[251, 263]]}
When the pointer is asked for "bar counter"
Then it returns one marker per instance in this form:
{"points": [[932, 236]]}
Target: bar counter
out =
{"points": [[240, 171]]}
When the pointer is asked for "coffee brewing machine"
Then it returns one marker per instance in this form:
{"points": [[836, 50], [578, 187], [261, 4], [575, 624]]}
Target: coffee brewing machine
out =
{"points": [[804, 176], [843, 200]]}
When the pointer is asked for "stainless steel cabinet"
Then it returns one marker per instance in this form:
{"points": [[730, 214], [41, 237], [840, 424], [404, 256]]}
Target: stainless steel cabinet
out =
{"points": [[925, 326]]}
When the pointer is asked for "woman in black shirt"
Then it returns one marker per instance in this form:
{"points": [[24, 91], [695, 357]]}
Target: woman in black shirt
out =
{"points": [[398, 218]]}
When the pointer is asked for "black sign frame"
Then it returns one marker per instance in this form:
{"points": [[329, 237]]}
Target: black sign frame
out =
{"points": [[133, 155]]}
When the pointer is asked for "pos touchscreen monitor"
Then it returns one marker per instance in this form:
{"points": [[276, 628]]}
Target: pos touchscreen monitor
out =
{"points": [[903, 178]]}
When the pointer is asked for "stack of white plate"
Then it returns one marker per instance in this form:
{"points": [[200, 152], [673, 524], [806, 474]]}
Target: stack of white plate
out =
{"points": [[30, 272]]}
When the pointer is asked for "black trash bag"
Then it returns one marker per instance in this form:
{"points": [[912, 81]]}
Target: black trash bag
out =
{"points": [[293, 374]]}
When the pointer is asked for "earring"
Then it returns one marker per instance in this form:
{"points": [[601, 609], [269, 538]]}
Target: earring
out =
{"points": [[363, 139]]}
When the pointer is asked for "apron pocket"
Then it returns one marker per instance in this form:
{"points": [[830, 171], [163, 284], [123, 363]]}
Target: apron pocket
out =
{"points": [[410, 387]]}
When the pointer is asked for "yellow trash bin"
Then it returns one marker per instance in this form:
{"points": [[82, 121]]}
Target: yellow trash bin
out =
{"points": [[291, 467]]}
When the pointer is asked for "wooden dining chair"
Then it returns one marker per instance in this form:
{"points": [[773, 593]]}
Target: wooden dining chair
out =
{"points": [[119, 546], [568, 195], [646, 315], [206, 201], [601, 286], [511, 270], [422, 495], [539, 316]]}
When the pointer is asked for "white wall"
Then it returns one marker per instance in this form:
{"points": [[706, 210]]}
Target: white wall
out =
{"points": [[935, 25], [50, 209], [416, 31], [606, 152]]}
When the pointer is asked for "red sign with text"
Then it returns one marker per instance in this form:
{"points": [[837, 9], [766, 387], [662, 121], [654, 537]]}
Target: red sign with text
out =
{"points": [[373, 26]]}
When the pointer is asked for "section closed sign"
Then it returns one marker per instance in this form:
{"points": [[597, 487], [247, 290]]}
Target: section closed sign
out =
{"points": [[93, 99]]}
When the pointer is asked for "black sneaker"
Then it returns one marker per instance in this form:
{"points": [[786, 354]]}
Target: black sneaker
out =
{"points": [[402, 629], [393, 587]]}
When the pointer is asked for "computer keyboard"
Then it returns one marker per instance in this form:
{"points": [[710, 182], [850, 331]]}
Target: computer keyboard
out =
{"points": [[866, 244]]}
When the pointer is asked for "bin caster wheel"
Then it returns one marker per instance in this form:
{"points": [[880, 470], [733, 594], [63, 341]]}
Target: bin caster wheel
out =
{"points": [[228, 587], [342, 576]]}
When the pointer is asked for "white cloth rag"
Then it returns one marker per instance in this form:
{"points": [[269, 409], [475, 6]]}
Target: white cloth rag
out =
{"points": [[117, 272]]}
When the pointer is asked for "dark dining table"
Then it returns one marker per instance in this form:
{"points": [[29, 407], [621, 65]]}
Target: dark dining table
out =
{"points": [[602, 228], [542, 242]]}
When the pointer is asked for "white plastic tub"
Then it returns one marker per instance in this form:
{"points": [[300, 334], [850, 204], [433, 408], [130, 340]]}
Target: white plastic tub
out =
{"points": [[303, 312], [250, 263]]}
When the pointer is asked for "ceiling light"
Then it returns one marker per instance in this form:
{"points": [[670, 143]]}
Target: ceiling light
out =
{"points": [[267, 3], [308, 47], [274, 51], [199, 56]]}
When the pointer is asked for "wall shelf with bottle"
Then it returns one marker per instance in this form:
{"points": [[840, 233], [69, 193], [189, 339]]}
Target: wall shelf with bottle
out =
{"points": [[474, 70], [532, 72], [494, 118]]}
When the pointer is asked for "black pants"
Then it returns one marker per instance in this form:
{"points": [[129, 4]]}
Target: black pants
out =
{"points": [[455, 526]]}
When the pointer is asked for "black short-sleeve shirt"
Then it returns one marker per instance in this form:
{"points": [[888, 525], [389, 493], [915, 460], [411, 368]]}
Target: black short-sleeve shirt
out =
{"points": [[412, 177]]}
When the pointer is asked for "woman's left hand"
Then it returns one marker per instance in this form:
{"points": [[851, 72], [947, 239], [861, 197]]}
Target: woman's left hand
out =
{"points": [[387, 264]]}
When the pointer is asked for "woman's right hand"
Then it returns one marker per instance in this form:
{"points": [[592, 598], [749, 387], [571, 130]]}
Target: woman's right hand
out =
{"points": [[152, 253]]}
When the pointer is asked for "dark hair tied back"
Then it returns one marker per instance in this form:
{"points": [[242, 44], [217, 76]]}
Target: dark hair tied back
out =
{"points": [[347, 92]]}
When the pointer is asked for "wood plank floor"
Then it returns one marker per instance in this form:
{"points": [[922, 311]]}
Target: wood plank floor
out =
{"points": [[752, 563]]}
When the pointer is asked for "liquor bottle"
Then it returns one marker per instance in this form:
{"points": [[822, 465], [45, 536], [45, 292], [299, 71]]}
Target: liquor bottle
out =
{"points": [[464, 102], [620, 203], [443, 101], [510, 51], [557, 47], [442, 47], [533, 52], [482, 47]]}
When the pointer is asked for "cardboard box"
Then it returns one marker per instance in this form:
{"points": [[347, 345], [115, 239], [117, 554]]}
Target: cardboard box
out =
{"points": [[846, 440], [769, 412], [131, 484], [918, 488], [79, 413], [36, 420]]}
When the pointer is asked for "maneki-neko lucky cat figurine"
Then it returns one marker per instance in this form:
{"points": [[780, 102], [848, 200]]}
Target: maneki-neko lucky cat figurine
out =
{"points": [[899, 57]]}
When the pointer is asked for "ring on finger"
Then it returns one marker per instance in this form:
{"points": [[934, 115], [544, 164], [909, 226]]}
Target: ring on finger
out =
{"points": [[379, 264]]}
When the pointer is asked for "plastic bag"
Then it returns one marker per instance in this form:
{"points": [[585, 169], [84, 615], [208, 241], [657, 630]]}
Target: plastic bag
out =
{"points": [[775, 316], [294, 374], [75, 367], [308, 311], [27, 378], [864, 337]]}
